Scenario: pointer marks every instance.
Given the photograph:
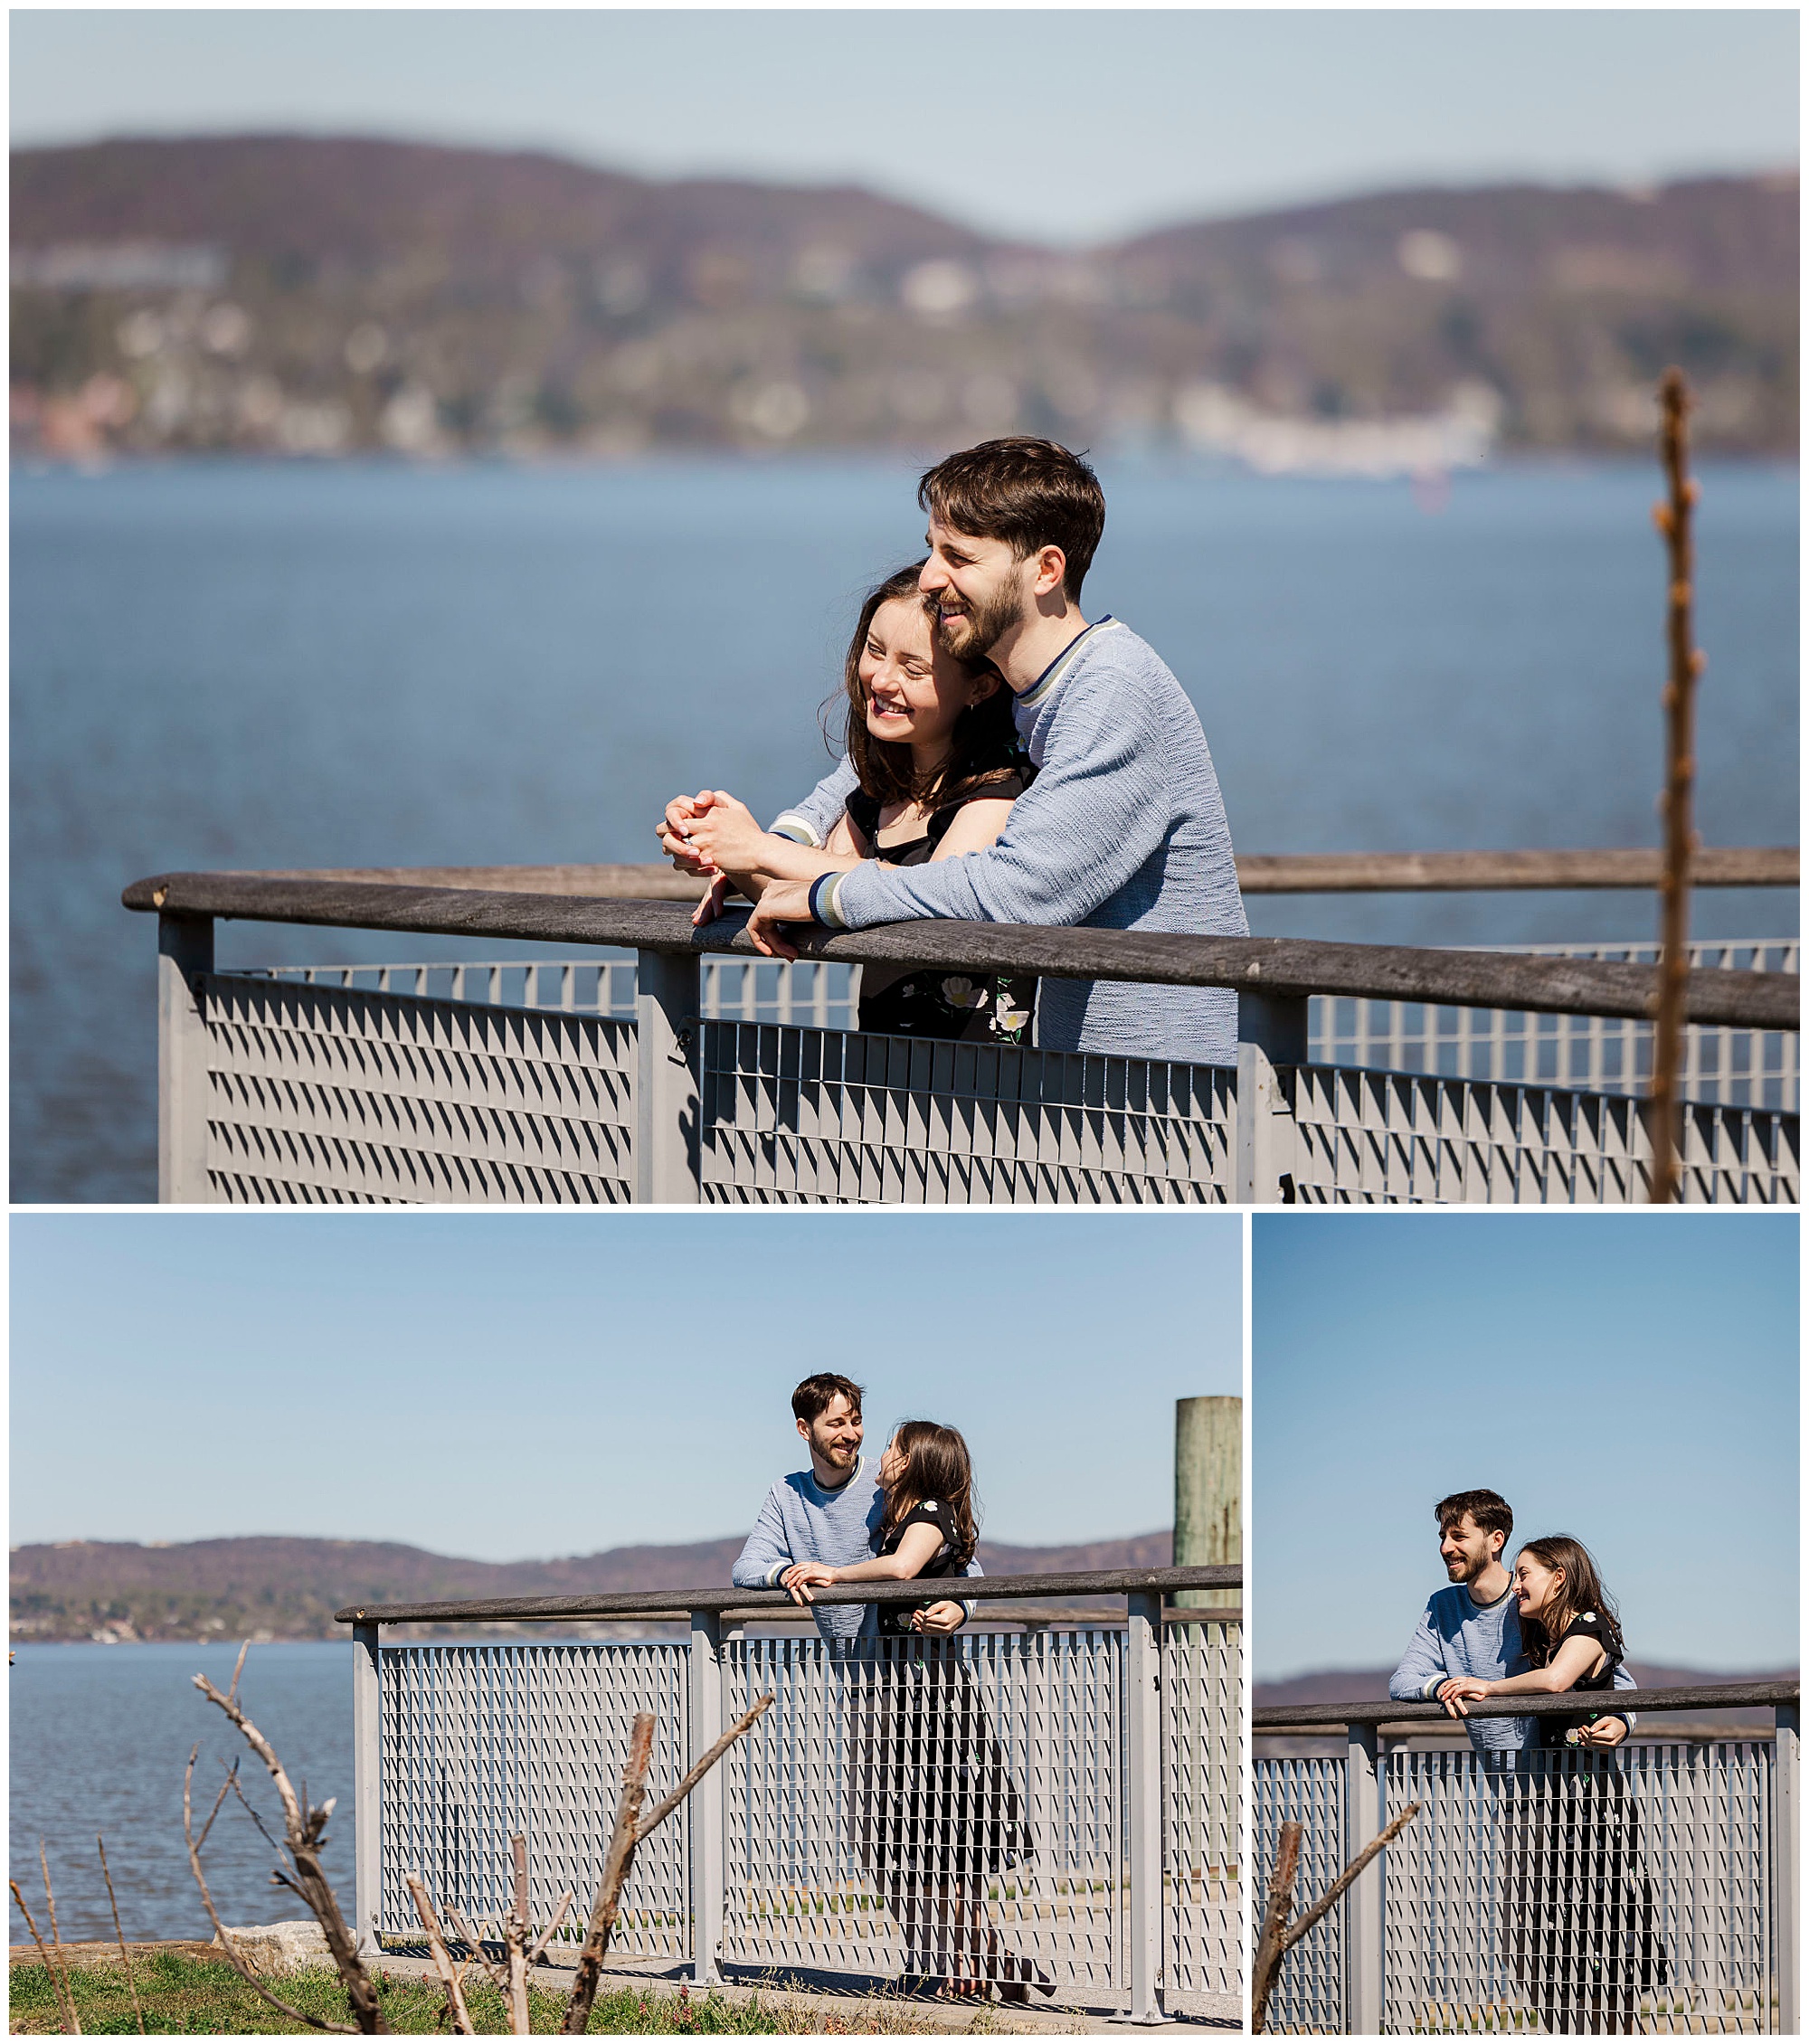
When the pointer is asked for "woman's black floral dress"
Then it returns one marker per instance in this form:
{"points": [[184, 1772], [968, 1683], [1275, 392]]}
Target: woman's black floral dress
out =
{"points": [[910, 1001]]}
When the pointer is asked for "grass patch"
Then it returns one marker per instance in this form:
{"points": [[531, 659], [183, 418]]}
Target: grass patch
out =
{"points": [[185, 1997]]}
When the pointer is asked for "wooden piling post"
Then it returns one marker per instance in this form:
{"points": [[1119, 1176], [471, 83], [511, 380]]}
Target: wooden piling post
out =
{"points": [[1208, 1492]]}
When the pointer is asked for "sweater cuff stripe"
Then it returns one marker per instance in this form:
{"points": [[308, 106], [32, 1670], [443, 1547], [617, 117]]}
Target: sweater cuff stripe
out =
{"points": [[825, 902], [797, 828]]}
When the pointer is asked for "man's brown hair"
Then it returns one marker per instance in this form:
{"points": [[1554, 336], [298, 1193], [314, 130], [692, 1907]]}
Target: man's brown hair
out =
{"points": [[1031, 493], [1491, 1511], [816, 1394]]}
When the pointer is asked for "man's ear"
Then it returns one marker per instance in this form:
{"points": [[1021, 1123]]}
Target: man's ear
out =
{"points": [[804, 1430], [986, 683], [1052, 568]]}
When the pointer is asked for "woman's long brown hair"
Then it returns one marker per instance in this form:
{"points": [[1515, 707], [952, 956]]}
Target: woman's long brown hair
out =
{"points": [[1580, 1591], [936, 1465], [984, 740]]}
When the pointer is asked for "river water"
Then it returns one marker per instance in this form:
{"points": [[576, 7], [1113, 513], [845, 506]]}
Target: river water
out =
{"points": [[99, 1737], [245, 664]]}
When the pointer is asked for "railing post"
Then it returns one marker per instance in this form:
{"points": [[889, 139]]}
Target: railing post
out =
{"points": [[1363, 1900], [1271, 1031], [1786, 1839], [1143, 1743], [184, 952], [367, 1796], [667, 1000], [707, 1801]]}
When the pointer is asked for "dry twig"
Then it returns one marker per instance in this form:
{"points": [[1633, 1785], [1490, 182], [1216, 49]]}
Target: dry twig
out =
{"points": [[514, 1936], [1287, 1937], [236, 1958], [1685, 664], [125, 1956], [616, 1864], [66, 2014], [56, 1940], [451, 1976], [663, 1810], [304, 1832]]}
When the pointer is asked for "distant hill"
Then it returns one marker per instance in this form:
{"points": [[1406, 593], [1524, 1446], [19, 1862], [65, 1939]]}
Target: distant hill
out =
{"points": [[289, 1589], [325, 296]]}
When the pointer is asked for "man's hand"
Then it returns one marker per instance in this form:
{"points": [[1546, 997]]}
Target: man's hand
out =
{"points": [[944, 1617], [674, 830], [1604, 1731], [785, 900], [1453, 1693], [727, 834], [800, 1577]]}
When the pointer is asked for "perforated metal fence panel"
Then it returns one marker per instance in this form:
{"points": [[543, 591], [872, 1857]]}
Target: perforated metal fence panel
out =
{"points": [[1582, 1053], [332, 1095], [811, 1115], [1381, 1138], [1309, 1995], [1202, 1811], [1627, 1892], [478, 1742], [913, 1808]]}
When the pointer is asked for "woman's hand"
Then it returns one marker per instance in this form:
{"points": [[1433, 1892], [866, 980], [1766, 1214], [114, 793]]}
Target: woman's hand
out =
{"points": [[726, 833], [711, 906], [675, 829], [1604, 1731], [801, 1574], [1452, 1694], [944, 1617]]}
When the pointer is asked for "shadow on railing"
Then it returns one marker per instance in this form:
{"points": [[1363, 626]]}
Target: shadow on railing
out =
{"points": [[1652, 1887], [271, 1092]]}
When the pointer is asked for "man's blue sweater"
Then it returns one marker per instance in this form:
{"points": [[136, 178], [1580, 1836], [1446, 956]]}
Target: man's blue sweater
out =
{"points": [[802, 1521], [1122, 829], [1458, 1636]]}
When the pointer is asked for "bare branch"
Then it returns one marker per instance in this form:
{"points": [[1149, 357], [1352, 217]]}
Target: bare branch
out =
{"points": [[515, 1935], [616, 1864], [1684, 665], [545, 1937], [304, 1831], [663, 1810], [66, 2015], [236, 1958], [450, 1978], [56, 1941], [125, 1956], [1382, 1839], [479, 1957], [1274, 1916], [238, 1669]]}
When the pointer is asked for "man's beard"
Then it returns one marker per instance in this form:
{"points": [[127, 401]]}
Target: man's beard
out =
{"points": [[972, 633]]}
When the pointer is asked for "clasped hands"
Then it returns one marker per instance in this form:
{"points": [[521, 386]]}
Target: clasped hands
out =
{"points": [[715, 836], [798, 1579], [1453, 1695]]}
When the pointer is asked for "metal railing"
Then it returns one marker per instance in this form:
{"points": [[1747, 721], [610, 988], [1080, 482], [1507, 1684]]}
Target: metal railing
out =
{"points": [[274, 1089], [1652, 1888], [1060, 1805]]}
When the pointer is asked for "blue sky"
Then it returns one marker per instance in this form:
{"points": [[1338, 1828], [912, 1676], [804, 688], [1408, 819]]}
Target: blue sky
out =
{"points": [[506, 1386], [1061, 125], [1630, 1379]]}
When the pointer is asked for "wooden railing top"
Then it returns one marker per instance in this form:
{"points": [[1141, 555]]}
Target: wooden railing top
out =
{"points": [[1301, 1717], [644, 1604], [1273, 966], [1260, 872]]}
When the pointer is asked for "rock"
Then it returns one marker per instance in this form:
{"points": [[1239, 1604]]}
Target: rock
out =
{"points": [[281, 1948]]}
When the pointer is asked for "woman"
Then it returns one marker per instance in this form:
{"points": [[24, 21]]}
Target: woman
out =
{"points": [[1584, 1946], [938, 1816], [935, 747]]}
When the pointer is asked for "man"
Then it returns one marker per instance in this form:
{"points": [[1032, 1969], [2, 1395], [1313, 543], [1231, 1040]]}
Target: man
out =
{"points": [[1123, 828], [830, 1512], [1474, 1627]]}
